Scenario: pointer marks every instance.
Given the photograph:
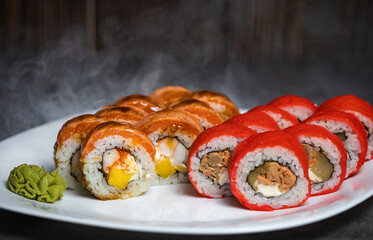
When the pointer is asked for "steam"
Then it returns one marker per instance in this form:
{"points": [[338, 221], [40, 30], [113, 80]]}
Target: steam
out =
{"points": [[62, 80]]}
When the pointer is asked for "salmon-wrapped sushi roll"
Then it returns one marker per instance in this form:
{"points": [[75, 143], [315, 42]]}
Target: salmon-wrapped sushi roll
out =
{"points": [[357, 106], [257, 121], [300, 107], [166, 95], [269, 171], [121, 114], [67, 147], [117, 161], [172, 133], [283, 118], [208, 158], [326, 157], [217, 101], [142, 103], [206, 115], [350, 130]]}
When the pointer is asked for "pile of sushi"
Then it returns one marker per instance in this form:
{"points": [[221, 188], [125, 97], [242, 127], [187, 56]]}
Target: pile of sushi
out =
{"points": [[138, 141], [293, 150], [273, 156]]}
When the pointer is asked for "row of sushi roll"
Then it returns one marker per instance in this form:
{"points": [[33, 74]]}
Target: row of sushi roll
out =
{"points": [[295, 150], [139, 141], [273, 156]]}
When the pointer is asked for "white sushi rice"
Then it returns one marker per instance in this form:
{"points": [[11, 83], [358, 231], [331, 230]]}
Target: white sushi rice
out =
{"points": [[259, 129], [351, 144], [369, 124], [283, 123], [178, 177], [203, 183], [299, 111], [284, 157], [94, 178], [333, 155], [205, 123], [63, 155]]}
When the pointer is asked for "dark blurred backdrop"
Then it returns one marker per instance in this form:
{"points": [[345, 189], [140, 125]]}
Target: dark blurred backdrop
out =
{"points": [[59, 58]]}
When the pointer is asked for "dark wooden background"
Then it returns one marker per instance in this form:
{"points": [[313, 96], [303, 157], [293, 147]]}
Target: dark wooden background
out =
{"points": [[249, 29]]}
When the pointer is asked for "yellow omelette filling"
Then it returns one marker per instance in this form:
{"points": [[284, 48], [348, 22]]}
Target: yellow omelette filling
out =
{"points": [[170, 157], [120, 168]]}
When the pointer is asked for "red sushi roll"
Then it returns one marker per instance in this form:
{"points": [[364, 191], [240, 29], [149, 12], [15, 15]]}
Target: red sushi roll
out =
{"points": [[357, 106], [269, 171], [300, 107], [208, 158], [350, 130], [283, 118], [326, 157], [257, 121]]}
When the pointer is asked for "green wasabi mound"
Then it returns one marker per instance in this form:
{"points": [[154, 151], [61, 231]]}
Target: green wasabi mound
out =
{"points": [[33, 182]]}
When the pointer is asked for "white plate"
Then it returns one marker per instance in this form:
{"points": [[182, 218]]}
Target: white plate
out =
{"points": [[163, 209]]}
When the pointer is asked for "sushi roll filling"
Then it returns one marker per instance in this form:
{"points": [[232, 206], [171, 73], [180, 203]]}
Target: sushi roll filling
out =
{"points": [[170, 157], [271, 179], [76, 167], [320, 169], [215, 166], [120, 167]]}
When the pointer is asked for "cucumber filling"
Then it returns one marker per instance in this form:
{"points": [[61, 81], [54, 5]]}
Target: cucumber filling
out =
{"points": [[319, 167]]}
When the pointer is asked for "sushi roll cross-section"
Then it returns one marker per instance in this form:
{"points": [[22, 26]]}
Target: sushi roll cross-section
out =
{"points": [[326, 157], [209, 157], [269, 171], [172, 133], [351, 132], [117, 161]]}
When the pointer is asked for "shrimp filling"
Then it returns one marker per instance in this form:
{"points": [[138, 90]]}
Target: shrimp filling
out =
{"points": [[170, 157], [214, 165], [120, 167], [319, 167], [271, 179]]}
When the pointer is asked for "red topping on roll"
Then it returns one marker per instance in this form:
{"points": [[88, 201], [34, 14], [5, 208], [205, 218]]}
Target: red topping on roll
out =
{"points": [[353, 122], [257, 121], [261, 141], [283, 115], [320, 132], [354, 105]]}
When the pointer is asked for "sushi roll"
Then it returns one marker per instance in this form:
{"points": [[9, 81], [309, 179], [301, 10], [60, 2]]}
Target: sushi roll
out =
{"points": [[142, 103], [350, 130], [206, 115], [326, 157], [208, 158], [121, 114], [257, 121], [283, 118], [68, 145], [357, 106], [117, 161], [166, 95], [269, 171], [300, 107], [172, 133], [217, 101]]}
